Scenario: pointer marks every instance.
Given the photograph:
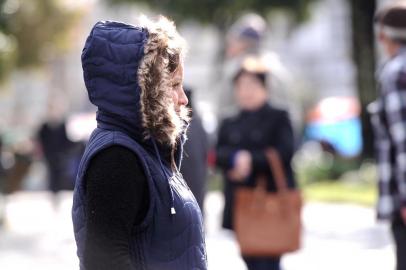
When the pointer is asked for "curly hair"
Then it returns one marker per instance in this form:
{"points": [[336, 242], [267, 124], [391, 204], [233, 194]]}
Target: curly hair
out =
{"points": [[163, 55]]}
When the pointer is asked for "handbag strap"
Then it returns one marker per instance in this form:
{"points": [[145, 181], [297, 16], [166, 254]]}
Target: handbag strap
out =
{"points": [[277, 170]]}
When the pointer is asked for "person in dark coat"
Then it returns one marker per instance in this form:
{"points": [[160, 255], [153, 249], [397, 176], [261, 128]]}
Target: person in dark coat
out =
{"points": [[55, 147], [131, 207], [194, 165], [242, 141]]}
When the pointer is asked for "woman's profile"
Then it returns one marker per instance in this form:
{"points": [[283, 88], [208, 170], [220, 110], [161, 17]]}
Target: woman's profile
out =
{"points": [[131, 206]]}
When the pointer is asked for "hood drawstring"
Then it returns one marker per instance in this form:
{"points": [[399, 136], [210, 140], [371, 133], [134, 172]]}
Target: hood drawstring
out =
{"points": [[173, 211]]}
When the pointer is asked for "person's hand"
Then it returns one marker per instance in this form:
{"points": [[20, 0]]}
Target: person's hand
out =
{"points": [[242, 166], [403, 214]]}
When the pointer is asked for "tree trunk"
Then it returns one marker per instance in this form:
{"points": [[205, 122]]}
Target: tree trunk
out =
{"points": [[362, 12]]}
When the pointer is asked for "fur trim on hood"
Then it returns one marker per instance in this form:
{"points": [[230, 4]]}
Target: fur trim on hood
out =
{"points": [[129, 71], [163, 54]]}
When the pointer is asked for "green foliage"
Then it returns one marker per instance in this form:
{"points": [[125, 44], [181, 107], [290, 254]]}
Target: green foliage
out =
{"points": [[341, 192], [30, 31], [344, 180], [219, 12]]}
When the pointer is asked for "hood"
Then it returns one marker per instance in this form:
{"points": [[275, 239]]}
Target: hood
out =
{"points": [[127, 78], [127, 72]]}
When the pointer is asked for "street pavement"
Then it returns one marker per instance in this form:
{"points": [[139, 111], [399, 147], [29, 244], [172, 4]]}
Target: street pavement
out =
{"points": [[37, 235]]}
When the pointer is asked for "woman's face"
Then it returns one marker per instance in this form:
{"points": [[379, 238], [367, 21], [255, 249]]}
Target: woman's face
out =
{"points": [[249, 92], [178, 95]]}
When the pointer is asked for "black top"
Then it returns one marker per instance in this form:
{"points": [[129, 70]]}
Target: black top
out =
{"points": [[117, 198], [254, 131]]}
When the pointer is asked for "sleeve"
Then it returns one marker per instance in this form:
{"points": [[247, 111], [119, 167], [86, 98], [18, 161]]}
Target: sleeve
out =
{"points": [[394, 98], [224, 152], [117, 199], [283, 144]]}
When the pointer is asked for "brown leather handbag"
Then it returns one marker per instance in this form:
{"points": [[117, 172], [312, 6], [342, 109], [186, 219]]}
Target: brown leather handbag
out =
{"points": [[268, 223]]}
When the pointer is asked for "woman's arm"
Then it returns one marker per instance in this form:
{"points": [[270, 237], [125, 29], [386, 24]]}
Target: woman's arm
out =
{"points": [[117, 199]]}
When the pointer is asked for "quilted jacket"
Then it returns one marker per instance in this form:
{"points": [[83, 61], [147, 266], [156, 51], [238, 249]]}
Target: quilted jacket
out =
{"points": [[171, 236]]}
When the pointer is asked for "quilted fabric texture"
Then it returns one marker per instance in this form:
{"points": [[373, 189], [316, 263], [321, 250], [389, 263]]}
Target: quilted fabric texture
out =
{"points": [[163, 241]]}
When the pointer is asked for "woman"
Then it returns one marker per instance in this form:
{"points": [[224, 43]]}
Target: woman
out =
{"points": [[131, 207], [242, 142]]}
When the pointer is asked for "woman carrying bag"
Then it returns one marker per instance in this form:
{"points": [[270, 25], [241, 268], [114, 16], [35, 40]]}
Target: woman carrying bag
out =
{"points": [[248, 143]]}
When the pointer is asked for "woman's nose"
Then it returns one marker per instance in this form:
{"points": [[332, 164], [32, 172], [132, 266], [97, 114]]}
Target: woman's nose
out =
{"points": [[183, 100]]}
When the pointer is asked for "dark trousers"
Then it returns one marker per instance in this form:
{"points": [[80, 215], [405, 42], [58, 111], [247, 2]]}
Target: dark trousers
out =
{"points": [[267, 263], [399, 234]]}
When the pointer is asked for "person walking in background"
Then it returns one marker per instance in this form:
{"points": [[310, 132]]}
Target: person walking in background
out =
{"points": [[388, 116], [249, 36], [194, 165], [244, 38], [243, 140], [55, 147], [131, 206]]}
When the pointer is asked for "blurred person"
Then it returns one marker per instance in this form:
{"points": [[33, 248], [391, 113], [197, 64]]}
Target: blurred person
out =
{"points": [[22, 155], [56, 147], [15, 165], [2, 169], [243, 140], [388, 115], [131, 206], [194, 165], [2, 184], [247, 37], [243, 38]]}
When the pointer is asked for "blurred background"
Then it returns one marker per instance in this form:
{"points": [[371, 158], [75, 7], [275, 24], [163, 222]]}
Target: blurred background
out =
{"points": [[322, 57]]}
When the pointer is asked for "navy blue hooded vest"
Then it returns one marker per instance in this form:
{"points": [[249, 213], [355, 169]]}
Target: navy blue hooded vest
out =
{"points": [[171, 236]]}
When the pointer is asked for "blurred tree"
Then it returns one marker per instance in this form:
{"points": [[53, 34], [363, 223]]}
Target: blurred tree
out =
{"points": [[220, 12], [31, 31], [362, 13], [7, 44]]}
